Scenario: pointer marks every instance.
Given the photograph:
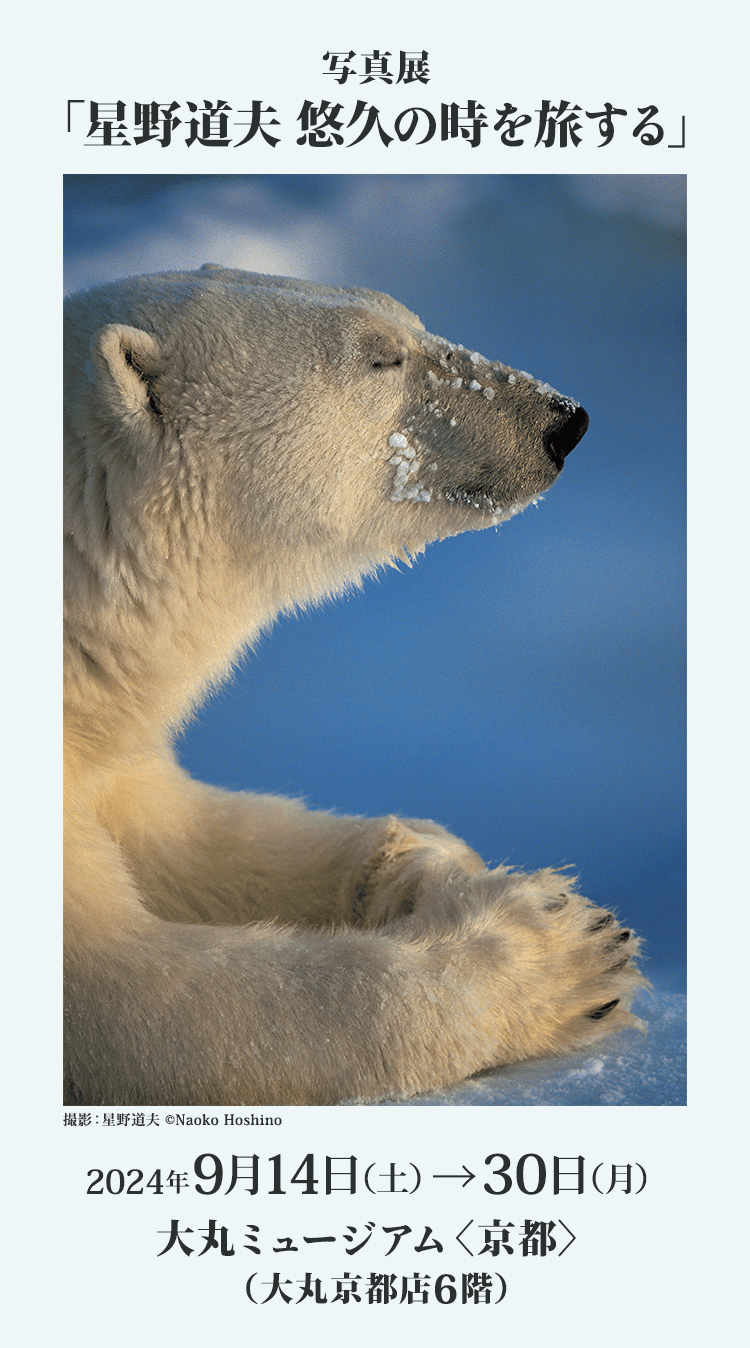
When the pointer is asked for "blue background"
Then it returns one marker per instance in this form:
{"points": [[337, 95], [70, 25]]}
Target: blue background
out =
{"points": [[523, 687]]}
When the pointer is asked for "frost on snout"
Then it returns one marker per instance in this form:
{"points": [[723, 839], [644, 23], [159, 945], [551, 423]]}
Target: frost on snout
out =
{"points": [[407, 482], [478, 433]]}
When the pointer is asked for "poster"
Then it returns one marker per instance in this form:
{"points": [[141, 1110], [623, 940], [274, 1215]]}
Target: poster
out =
{"points": [[557, 1199]]}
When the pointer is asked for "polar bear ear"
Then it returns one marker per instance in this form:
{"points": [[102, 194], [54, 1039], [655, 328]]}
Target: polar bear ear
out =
{"points": [[130, 361]]}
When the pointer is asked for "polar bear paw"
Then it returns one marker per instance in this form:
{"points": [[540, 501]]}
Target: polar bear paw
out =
{"points": [[551, 971], [562, 973]]}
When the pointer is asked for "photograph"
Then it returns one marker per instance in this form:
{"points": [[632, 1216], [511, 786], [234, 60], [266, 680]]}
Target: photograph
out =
{"points": [[375, 639]]}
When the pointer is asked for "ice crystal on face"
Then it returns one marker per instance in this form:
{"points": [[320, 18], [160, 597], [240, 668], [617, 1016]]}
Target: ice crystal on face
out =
{"points": [[548, 391], [406, 484], [507, 512]]}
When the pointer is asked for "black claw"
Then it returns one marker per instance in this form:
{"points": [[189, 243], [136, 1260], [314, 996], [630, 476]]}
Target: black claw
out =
{"points": [[554, 905], [602, 922], [623, 936], [604, 1010]]}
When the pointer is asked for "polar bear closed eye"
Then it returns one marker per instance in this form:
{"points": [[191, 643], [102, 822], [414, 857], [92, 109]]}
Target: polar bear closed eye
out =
{"points": [[236, 445]]}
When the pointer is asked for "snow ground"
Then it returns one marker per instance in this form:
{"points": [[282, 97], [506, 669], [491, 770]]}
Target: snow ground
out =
{"points": [[631, 1068]]}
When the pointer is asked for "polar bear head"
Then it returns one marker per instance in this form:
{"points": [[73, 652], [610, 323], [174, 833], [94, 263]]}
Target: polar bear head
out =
{"points": [[274, 439]]}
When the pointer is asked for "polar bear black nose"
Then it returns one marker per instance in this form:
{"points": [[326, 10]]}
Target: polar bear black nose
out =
{"points": [[560, 442]]}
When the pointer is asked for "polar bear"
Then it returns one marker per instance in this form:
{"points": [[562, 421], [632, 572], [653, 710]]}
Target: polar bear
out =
{"points": [[237, 445]]}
